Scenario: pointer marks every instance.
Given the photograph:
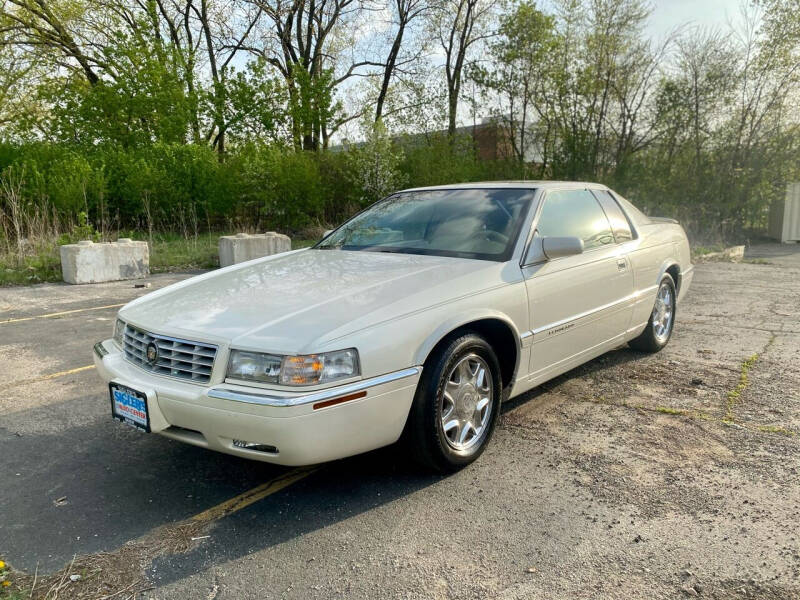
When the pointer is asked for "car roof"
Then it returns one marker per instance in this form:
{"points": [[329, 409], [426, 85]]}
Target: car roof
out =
{"points": [[525, 185]]}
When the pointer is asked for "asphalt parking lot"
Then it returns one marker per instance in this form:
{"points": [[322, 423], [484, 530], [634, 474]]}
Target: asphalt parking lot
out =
{"points": [[634, 476]]}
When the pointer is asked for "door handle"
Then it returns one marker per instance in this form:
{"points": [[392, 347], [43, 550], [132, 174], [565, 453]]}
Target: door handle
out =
{"points": [[622, 264]]}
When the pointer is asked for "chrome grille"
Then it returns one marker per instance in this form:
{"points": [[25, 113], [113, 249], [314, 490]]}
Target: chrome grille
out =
{"points": [[182, 359]]}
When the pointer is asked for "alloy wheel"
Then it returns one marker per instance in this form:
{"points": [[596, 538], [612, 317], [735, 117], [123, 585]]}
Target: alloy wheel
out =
{"points": [[466, 402], [663, 313]]}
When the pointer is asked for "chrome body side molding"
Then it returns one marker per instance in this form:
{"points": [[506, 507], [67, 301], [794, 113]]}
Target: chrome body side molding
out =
{"points": [[539, 330], [265, 399]]}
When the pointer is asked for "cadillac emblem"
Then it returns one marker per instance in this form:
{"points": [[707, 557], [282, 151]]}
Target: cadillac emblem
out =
{"points": [[151, 353]]}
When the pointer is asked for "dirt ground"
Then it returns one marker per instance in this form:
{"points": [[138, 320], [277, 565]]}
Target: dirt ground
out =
{"points": [[664, 476]]}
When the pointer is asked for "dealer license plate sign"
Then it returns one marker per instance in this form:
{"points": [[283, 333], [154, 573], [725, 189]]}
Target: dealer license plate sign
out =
{"points": [[129, 406]]}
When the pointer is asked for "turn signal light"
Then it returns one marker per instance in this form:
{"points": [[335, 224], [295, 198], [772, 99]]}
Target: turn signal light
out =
{"points": [[319, 368], [335, 401]]}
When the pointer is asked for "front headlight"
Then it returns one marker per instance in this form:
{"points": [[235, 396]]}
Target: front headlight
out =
{"points": [[254, 366], [293, 370], [119, 332]]}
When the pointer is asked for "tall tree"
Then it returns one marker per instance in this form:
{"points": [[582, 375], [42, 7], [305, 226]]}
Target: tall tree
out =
{"points": [[18, 72], [404, 13], [52, 25], [518, 74], [225, 29], [460, 25], [599, 59], [300, 44]]}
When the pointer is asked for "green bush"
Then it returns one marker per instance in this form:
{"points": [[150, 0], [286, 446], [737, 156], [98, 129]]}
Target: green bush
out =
{"points": [[186, 189], [274, 188], [438, 160]]}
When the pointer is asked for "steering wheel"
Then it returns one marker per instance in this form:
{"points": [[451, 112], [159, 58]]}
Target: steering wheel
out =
{"points": [[496, 236]]}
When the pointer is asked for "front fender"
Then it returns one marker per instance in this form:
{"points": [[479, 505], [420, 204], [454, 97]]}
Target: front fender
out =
{"points": [[460, 320]]}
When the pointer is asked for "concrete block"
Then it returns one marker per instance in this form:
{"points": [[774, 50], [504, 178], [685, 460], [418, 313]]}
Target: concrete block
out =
{"points": [[732, 254], [238, 248], [87, 262]]}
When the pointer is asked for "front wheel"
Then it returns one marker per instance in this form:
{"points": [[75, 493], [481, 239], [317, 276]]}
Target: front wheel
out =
{"points": [[456, 405], [662, 319]]}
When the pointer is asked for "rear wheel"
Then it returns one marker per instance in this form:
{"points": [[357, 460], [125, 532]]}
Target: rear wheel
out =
{"points": [[456, 405], [662, 319]]}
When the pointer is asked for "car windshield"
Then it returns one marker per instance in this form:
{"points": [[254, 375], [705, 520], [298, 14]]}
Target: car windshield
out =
{"points": [[465, 223]]}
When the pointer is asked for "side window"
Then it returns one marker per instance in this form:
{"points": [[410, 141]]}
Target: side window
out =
{"points": [[619, 222], [575, 213]]}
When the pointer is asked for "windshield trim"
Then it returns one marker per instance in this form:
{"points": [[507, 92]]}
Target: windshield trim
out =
{"points": [[504, 257]]}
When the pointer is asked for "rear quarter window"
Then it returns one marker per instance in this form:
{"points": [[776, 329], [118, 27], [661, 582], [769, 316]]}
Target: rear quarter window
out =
{"points": [[638, 217], [620, 224]]}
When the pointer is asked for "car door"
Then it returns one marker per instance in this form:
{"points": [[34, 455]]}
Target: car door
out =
{"points": [[579, 304], [626, 236]]}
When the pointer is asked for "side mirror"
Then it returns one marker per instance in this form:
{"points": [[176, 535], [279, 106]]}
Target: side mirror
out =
{"points": [[327, 233], [545, 248], [556, 247]]}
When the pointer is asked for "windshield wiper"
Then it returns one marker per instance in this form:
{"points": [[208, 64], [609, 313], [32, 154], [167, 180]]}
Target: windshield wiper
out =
{"points": [[387, 250]]}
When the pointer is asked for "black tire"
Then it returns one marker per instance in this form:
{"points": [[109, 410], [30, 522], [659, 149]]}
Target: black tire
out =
{"points": [[650, 340], [425, 435]]}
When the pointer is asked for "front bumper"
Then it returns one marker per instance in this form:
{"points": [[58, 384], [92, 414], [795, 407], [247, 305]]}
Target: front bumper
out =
{"points": [[303, 428]]}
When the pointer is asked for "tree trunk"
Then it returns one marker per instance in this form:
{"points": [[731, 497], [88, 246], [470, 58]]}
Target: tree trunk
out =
{"points": [[389, 69], [452, 109]]}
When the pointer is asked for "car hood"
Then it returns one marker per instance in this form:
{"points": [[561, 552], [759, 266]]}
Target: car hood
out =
{"points": [[296, 301]]}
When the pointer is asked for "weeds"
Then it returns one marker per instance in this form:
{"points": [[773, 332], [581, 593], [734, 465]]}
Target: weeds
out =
{"points": [[8, 587], [673, 411], [665, 410], [735, 393], [41, 264], [170, 252], [115, 574], [36, 258], [777, 429]]}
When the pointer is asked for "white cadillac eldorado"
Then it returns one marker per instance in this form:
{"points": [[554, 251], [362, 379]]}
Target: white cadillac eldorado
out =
{"points": [[414, 320]]}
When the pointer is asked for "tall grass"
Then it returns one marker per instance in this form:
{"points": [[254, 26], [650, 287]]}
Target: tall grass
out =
{"points": [[28, 233]]}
